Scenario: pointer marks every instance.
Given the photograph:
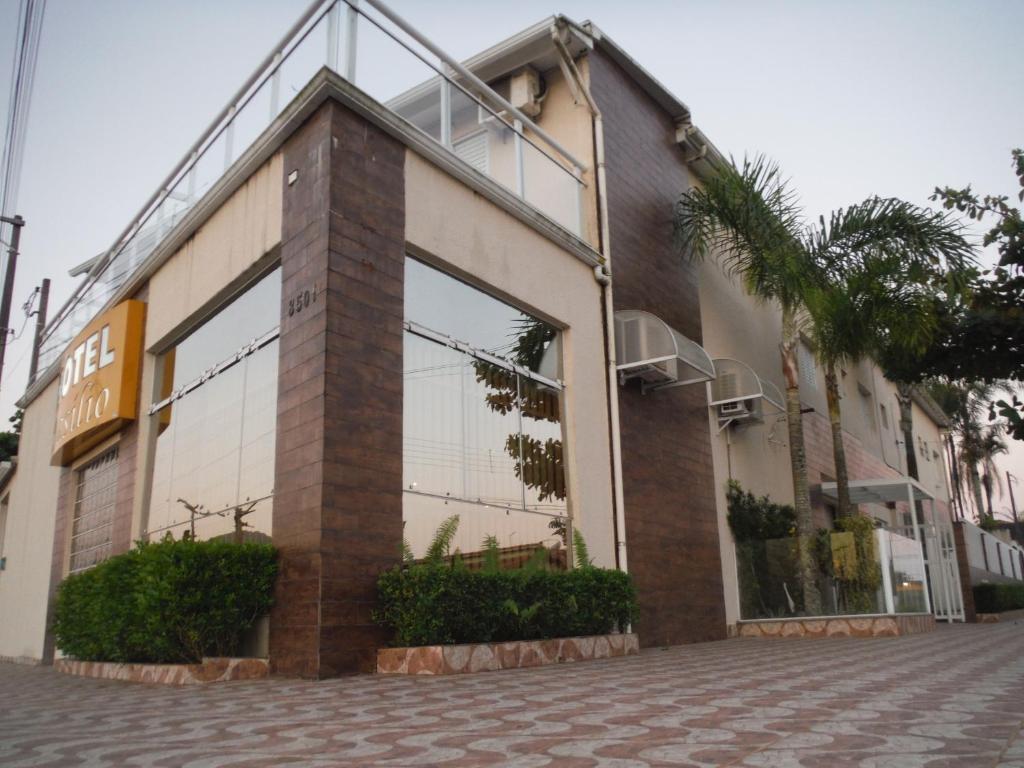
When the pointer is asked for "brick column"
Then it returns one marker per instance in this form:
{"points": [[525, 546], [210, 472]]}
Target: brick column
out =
{"points": [[964, 564], [338, 477]]}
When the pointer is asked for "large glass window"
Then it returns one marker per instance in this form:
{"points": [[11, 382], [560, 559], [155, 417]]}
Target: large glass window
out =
{"points": [[482, 435], [213, 470], [93, 520]]}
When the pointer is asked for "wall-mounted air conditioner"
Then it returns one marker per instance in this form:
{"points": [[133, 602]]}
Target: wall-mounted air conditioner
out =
{"points": [[739, 396], [648, 349]]}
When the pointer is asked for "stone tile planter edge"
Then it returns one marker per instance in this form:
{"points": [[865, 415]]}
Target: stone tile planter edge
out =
{"points": [[210, 670], [878, 625], [490, 657]]}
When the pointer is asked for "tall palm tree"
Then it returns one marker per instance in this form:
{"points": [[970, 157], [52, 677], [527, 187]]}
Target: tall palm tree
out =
{"points": [[973, 444], [880, 297], [978, 450], [750, 222]]}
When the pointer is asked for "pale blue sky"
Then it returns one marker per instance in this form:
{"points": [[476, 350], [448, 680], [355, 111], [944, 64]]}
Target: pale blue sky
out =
{"points": [[852, 98]]}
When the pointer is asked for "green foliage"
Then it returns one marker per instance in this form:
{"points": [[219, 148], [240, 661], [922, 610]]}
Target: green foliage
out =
{"points": [[427, 605], [859, 574], [1013, 412], [983, 338], [753, 518], [171, 601], [996, 598], [8, 445], [579, 545], [987, 523], [441, 544], [492, 555]]}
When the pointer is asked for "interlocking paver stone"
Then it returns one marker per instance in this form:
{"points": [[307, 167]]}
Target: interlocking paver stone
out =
{"points": [[951, 698]]}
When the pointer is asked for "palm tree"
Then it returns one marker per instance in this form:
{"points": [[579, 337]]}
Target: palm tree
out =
{"points": [[882, 297], [749, 221], [973, 444]]}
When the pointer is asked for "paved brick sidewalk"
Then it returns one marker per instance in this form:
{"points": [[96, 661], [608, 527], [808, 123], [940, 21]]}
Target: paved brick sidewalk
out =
{"points": [[954, 697]]}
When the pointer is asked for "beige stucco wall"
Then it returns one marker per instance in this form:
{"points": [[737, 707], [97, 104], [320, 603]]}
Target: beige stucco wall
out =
{"points": [[28, 544], [238, 234], [506, 258], [737, 326]]}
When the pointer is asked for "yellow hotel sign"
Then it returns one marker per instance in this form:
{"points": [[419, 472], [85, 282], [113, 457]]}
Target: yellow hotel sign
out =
{"points": [[99, 380]]}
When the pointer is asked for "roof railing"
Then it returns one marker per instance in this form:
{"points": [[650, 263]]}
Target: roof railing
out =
{"points": [[361, 41]]}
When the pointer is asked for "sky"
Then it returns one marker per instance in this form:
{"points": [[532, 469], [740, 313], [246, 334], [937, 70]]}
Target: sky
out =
{"points": [[851, 98]]}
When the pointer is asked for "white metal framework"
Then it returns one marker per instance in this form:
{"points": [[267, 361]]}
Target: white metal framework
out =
{"points": [[943, 596], [739, 395], [649, 349]]}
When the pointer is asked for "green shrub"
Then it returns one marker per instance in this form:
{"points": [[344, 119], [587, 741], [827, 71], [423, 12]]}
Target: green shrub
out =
{"points": [[432, 605], [170, 602], [996, 598]]}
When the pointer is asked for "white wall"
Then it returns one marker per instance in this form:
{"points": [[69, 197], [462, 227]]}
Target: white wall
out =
{"points": [[28, 544]]}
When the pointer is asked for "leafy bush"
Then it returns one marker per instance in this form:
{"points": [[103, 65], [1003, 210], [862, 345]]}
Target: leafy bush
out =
{"points": [[431, 605], [996, 598], [753, 518], [171, 601]]}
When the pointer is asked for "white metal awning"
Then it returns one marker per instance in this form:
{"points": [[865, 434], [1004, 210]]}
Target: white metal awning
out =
{"points": [[735, 381], [881, 491], [648, 348], [739, 396]]}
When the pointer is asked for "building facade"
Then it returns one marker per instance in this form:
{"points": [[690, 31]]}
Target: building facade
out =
{"points": [[396, 306]]}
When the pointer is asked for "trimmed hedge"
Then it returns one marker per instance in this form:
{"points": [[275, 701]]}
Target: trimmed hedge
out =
{"points": [[166, 602], [996, 598], [433, 605]]}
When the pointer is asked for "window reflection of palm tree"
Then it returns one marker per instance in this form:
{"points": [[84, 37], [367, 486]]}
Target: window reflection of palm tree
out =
{"points": [[538, 463]]}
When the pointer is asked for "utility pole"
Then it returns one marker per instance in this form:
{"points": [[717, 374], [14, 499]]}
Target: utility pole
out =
{"points": [[1010, 480], [5, 303], [44, 299]]}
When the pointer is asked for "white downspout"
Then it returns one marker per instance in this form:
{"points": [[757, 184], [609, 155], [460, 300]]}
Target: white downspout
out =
{"points": [[603, 275]]}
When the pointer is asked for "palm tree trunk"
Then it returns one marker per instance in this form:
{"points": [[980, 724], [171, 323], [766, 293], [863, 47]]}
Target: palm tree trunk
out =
{"points": [[958, 499], [986, 482], [798, 464], [976, 488], [843, 505]]}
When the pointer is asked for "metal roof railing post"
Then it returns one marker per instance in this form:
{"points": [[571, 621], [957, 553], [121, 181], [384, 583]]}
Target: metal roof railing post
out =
{"points": [[520, 169], [351, 40], [446, 108], [275, 87], [333, 27]]}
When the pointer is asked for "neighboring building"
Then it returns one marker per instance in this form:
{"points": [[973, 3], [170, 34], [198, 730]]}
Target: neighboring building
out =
{"points": [[389, 310]]}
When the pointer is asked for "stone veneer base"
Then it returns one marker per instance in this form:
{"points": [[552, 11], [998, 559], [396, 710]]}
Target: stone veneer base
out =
{"points": [[211, 670], [891, 625], [995, 618], [488, 657]]}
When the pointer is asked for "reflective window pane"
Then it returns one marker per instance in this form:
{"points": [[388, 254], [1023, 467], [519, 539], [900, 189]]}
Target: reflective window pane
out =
{"points": [[250, 316], [446, 305], [481, 441], [213, 468]]}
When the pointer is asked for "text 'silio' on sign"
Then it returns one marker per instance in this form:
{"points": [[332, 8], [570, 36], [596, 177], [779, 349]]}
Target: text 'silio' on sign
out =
{"points": [[99, 381]]}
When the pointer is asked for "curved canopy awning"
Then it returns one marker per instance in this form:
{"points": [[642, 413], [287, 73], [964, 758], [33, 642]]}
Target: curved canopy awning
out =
{"points": [[648, 348], [737, 382]]}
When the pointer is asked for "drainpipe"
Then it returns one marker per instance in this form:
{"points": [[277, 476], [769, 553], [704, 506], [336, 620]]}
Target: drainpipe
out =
{"points": [[603, 275]]}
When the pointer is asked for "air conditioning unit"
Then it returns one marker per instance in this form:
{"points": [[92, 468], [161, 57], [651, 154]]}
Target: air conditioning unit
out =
{"points": [[734, 409], [634, 339], [741, 411]]}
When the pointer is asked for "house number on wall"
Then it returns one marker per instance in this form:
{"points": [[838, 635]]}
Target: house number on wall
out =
{"points": [[302, 300]]}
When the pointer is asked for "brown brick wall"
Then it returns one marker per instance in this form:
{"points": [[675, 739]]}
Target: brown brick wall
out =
{"points": [[338, 478], [671, 522], [127, 453]]}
